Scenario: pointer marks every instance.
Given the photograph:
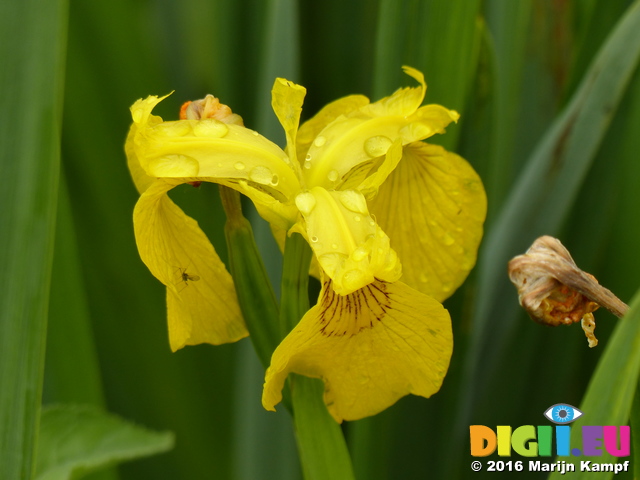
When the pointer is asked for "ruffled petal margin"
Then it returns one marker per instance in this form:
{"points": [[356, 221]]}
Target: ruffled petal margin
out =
{"points": [[201, 299], [370, 348], [433, 207]]}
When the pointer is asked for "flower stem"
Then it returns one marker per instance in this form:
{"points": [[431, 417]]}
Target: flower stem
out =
{"points": [[322, 447], [255, 295]]}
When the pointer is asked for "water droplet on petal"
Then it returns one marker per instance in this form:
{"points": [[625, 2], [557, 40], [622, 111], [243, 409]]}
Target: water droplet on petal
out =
{"points": [[275, 180], [359, 254], [334, 246], [239, 166], [172, 129], [447, 239], [307, 165], [357, 218], [261, 175], [377, 146], [353, 201], [353, 279], [210, 128], [446, 287], [305, 202], [255, 133], [313, 239], [333, 175], [320, 141], [308, 157]]}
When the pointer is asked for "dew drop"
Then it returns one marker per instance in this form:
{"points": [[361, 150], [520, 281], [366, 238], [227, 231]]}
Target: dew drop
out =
{"points": [[239, 166], [275, 180], [305, 202], [334, 246], [357, 218], [313, 239], [210, 128], [261, 175], [307, 165], [255, 133], [377, 146], [174, 129], [320, 141], [308, 157], [353, 279], [448, 239], [359, 254], [446, 287], [353, 201], [333, 175]]}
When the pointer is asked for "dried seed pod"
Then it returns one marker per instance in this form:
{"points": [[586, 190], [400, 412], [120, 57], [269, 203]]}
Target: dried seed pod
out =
{"points": [[554, 291]]}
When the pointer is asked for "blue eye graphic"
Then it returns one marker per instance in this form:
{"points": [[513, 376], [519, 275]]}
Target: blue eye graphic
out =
{"points": [[562, 413]]}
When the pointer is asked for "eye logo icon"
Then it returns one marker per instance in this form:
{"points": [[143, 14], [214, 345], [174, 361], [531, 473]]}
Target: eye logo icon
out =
{"points": [[562, 413]]}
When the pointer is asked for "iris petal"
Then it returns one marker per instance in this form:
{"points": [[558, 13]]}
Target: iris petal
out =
{"points": [[370, 348], [201, 299], [432, 206]]}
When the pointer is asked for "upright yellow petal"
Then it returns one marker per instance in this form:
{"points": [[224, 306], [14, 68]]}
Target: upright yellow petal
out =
{"points": [[286, 101], [432, 206], [201, 299], [368, 132], [370, 348], [312, 127], [349, 245]]}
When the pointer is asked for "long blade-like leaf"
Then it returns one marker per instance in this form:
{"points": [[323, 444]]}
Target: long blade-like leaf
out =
{"points": [[32, 53], [610, 394], [546, 190]]}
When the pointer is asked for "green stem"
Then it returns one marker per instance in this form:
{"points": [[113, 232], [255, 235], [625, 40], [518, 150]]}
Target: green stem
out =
{"points": [[322, 447], [255, 295]]}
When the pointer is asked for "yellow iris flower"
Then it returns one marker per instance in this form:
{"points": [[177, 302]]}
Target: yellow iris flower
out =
{"points": [[366, 193]]}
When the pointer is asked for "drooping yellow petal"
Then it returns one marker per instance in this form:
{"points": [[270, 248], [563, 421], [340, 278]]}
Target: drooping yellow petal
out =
{"points": [[201, 299], [349, 245], [432, 206], [210, 150], [370, 348], [368, 132]]}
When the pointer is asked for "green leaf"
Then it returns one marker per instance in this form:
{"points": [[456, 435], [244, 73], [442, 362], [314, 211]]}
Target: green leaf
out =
{"points": [[32, 55], [611, 391], [75, 440], [548, 186]]}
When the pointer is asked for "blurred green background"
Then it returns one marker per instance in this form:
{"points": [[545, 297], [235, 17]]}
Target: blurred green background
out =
{"points": [[511, 68]]}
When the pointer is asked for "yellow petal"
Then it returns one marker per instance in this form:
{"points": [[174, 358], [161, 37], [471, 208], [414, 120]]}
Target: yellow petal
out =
{"points": [[370, 348], [286, 101], [201, 299], [349, 245], [368, 132], [312, 127], [210, 150], [432, 206]]}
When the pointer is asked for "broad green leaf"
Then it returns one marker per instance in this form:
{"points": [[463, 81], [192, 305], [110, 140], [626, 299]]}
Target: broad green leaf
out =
{"points": [[611, 391], [32, 55], [75, 440]]}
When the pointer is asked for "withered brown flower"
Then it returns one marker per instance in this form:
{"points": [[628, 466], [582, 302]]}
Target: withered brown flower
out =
{"points": [[554, 291]]}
